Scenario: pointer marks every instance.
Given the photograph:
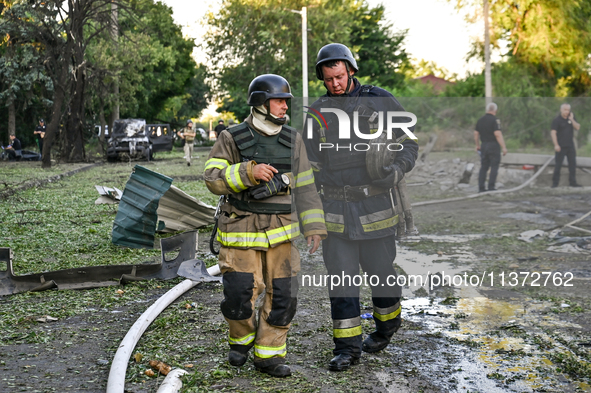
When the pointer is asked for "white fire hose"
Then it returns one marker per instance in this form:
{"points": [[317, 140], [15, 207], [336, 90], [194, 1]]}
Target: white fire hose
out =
{"points": [[116, 381]]}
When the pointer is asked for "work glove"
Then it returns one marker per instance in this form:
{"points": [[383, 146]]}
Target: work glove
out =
{"points": [[395, 174], [269, 188]]}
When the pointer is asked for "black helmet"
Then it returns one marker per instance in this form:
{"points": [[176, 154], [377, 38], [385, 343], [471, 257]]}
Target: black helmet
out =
{"points": [[333, 52], [189, 121], [41, 121], [267, 86]]}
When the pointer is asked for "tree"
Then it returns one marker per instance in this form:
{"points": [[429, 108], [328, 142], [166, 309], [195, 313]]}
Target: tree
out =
{"points": [[20, 72], [550, 38], [63, 31], [249, 38]]}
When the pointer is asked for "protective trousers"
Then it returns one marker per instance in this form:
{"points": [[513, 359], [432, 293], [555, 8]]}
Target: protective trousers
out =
{"points": [[342, 258], [571, 156], [490, 153], [188, 151], [246, 275]]}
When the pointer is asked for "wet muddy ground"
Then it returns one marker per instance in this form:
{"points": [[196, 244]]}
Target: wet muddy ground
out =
{"points": [[526, 331]]}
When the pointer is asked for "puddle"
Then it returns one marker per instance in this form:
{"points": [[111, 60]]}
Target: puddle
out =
{"points": [[419, 268], [529, 217], [495, 342], [443, 238]]}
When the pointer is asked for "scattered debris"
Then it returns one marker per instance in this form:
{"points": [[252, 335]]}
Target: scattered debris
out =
{"points": [[46, 318], [569, 249], [529, 236], [151, 203], [149, 373], [161, 367], [467, 173], [101, 276], [138, 357], [108, 196]]}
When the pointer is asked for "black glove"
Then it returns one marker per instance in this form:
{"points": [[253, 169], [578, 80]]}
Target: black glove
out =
{"points": [[269, 188], [395, 174]]}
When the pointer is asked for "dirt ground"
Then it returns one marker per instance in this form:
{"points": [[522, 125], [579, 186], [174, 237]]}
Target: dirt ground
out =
{"points": [[516, 334]]}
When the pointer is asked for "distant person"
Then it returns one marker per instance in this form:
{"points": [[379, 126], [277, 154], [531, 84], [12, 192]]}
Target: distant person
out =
{"points": [[188, 135], [219, 128], [14, 150], [562, 136], [488, 131], [40, 134]]}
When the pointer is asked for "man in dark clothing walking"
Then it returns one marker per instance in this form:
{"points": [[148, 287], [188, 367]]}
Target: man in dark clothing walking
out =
{"points": [[488, 131], [359, 213], [562, 136]]}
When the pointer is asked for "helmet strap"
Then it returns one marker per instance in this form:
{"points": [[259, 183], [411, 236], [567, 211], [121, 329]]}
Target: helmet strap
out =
{"points": [[349, 77]]}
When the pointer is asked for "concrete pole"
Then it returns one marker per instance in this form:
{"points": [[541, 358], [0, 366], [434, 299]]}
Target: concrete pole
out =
{"points": [[115, 36], [305, 54], [487, 70]]}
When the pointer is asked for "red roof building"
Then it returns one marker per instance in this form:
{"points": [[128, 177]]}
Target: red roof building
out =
{"points": [[439, 84]]}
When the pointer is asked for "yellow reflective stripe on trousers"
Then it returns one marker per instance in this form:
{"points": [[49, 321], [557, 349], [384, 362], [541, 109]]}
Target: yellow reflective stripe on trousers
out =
{"points": [[304, 178], [387, 317], [218, 163], [269, 352], [349, 332], [242, 340], [312, 215], [243, 239], [233, 178], [376, 226], [282, 234], [343, 328]]}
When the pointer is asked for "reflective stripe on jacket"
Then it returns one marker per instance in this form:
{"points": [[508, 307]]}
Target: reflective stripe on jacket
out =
{"points": [[227, 173]]}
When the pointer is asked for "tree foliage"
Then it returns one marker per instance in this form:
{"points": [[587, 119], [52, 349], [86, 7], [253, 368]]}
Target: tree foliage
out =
{"points": [[549, 39], [69, 47], [252, 37]]}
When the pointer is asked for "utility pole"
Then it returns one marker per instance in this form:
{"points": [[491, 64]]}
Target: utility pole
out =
{"points": [[304, 14], [487, 71], [115, 37]]}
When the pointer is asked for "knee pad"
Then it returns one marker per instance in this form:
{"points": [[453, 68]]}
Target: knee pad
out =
{"points": [[238, 291], [283, 306]]}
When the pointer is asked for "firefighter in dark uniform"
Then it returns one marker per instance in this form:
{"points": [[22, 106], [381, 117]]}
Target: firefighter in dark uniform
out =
{"points": [[359, 213], [261, 164]]}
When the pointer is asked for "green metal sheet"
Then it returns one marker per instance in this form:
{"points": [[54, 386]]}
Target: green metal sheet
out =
{"points": [[137, 220]]}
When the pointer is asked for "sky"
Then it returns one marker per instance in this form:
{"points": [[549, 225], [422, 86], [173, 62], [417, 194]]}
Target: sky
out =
{"points": [[436, 31]]}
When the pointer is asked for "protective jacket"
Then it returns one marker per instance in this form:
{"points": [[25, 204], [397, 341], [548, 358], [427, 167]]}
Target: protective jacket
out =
{"points": [[256, 255], [252, 224], [342, 169]]}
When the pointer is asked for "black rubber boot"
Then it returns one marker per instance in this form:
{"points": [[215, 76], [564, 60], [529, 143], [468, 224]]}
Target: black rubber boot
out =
{"points": [[276, 370], [342, 362], [375, 342], [236, 358]]}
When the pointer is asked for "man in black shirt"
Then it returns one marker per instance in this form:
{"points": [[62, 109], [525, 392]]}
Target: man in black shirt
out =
{"points": [[40, 134], [14, 150], [219, 128], [488, 131], [562, 137]]}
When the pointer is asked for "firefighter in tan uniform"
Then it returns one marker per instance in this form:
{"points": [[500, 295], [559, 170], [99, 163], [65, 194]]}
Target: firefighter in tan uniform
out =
{"points": [[262, 166]]}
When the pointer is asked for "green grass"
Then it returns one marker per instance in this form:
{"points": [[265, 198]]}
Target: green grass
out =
{"points": [[58, 226]]}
